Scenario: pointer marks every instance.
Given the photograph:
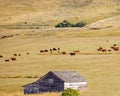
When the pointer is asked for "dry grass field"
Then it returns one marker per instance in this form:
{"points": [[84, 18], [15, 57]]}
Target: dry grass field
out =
{"points": [[102, 70]]}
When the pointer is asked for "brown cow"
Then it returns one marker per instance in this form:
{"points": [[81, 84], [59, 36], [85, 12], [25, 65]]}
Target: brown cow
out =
{"points": [[76, 51], [114, 44], [115, 48], [7, 60], [1, 56], [104, 50], [15, 54], [41, 51], [109, 50], [99, 49], [64, 53], [13, 58], [19, 54], [58, 48], [27, 53]]}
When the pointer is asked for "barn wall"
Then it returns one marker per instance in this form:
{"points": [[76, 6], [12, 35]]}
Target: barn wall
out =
{"points": [[47, 86], [31, 89], [77, 86]]}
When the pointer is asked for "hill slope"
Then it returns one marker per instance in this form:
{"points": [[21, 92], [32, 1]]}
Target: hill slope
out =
{"points": [[53, 11]]}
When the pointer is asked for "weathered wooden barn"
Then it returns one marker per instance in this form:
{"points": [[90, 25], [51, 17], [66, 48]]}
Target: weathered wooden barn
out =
{"points": [[56, 81]]}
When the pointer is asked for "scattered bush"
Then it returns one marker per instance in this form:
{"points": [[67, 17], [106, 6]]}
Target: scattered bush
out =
{"points": [[68, 24], [70, 92]]}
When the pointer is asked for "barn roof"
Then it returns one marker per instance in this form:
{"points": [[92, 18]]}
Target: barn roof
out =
{"points": [[69, 76], [66, 76]]}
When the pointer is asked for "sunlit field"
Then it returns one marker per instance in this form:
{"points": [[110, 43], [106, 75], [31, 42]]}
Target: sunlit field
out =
{"points": [[100, 69]]}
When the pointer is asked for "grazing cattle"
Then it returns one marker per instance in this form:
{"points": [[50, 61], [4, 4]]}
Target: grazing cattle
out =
{"points": [[41, 51], [109, 50], [50, 49], [114, 44], [45, 50], [54, 49], [64, 53], [99, 49], [7, 60], [104, 50], [19, 54], [15, 54], [58, 48], [115, 48], [27, 53], [76, 51], [72, 54], [1, 56], [13, 58]]}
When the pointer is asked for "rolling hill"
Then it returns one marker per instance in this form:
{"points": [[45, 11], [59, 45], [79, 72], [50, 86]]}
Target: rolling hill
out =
{"points": [[50, 12]]}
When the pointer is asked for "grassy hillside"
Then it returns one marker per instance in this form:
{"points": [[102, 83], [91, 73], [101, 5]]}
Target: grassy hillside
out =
{"points": [[50, 12]]}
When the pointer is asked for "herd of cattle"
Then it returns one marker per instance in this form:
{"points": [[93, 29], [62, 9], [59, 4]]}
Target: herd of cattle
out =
{"points": [[13, 58], [53, 51], [58, 50], [114, 47]]}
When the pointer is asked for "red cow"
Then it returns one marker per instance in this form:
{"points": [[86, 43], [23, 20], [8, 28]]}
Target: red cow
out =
{"points": [[7, 60], [13, 58], [64, 53]]}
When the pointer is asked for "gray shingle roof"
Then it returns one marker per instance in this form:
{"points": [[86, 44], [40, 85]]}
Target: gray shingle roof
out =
{"points": [[69, 76]]}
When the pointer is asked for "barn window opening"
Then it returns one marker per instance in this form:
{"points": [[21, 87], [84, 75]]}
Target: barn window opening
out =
{"points": [[50, 80]]}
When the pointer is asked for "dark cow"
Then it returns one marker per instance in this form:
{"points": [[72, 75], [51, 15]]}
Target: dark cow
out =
{"points": [[58, 48], [41, 51], [27, 53], [7, 60], [50, 49], [13, 58], [103, 50], [1, 56], [64, 53], [114, 44], [45, 50], [19, 54], [15, 54], [54, 49], [72, 54]]}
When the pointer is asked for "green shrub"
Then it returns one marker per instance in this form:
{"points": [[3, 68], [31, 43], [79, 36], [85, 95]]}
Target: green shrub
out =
{"points": [[70, 92], [65, 23]]}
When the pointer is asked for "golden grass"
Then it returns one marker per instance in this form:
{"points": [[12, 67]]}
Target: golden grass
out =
{"points": [[50, 12], [100, 70]]}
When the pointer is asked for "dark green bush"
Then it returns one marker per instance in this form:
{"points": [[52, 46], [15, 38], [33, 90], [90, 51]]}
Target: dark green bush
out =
{"points": [[68, 24], [70, 92], [63, 24]]}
